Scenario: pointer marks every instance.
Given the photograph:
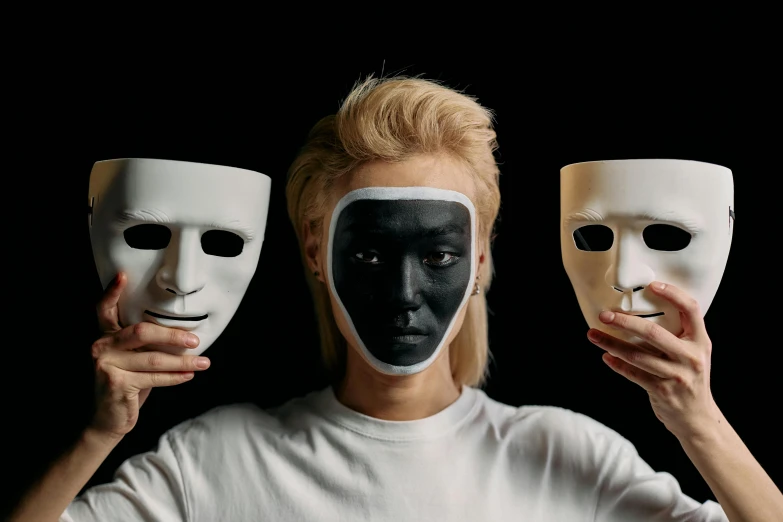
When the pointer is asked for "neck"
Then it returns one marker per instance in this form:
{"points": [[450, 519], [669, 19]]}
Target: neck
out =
{"points": [[397, 397]]}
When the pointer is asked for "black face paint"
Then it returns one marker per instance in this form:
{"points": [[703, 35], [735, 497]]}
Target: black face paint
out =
{"points": [[402, 269]]}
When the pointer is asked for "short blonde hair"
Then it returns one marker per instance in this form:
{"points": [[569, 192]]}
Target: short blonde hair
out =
{"points": [[392, 119]]}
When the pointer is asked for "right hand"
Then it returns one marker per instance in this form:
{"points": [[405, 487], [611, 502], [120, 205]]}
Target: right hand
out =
{"points": [[126, 371]]}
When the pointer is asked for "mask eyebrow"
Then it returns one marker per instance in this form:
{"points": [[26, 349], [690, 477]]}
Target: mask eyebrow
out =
{"points": [[236, 226], [690, 222], [150, 215], [125, 217], [586, 214]]}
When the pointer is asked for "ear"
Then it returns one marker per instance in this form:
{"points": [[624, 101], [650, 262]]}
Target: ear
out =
{"points": [[312, 248]]}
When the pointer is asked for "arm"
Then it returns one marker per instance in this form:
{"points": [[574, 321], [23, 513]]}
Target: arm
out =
{"points": [[125, 374], [48, 498], [738, 481], [675, 373]]}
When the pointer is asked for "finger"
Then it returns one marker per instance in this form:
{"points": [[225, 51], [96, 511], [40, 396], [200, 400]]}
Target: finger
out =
{"points": [[690, 312], [646, 380], [654, 334], [144, 333], [108, 318], [157, 362], [633, 354], [143, 380]]}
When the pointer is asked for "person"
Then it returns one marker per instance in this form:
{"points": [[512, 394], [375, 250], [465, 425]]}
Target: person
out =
{"points": [[393, 200]]}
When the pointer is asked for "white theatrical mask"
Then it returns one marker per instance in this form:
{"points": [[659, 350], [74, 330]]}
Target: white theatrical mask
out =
{"points": [[188, 236], [626, 223]]}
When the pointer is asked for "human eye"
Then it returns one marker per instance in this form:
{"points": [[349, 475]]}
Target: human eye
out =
{"points": [[441, 259], [369, 257]]}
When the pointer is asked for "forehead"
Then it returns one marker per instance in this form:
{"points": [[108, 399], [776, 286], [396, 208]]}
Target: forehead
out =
{"points": [[400, 216], [408, 210], [646, 188], [185, 194]]}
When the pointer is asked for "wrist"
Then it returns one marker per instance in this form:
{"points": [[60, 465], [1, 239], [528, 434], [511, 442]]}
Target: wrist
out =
{"points": [[711, 432], [98, 439]]}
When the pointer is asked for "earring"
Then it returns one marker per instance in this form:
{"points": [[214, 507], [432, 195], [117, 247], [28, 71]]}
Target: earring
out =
{"points": [[316, 273], [476, 287]]}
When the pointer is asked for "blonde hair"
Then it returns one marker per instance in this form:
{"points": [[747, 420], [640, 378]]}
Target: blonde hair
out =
{"points": [[392, 119]]}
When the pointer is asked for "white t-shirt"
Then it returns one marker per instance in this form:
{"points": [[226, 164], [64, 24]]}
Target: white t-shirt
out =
{"points": [[313, 459]]}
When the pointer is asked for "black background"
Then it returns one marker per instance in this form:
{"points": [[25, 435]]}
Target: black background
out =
{"points": [[254, 114]]}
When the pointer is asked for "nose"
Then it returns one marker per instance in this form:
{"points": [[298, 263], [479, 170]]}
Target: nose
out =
{"points": [[405, 284], [181, 273], [629, 271]]}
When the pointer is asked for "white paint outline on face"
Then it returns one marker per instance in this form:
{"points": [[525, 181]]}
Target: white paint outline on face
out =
{"points": [[406, 194]]}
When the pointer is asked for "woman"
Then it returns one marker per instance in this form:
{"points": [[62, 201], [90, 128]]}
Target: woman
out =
{"points": [[393, 200]]}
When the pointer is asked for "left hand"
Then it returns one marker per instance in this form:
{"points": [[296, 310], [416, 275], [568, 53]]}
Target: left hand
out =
{"points": [[675, 371]]}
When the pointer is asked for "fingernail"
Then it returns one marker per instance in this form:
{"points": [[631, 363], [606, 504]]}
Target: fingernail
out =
{"points": [[202, 362], [606, 316], [191, 340], [594, 335], [188, 376], [659, 286]]}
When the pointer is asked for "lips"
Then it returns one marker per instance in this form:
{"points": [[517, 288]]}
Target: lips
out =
{"points": [[173, 317], [656, 314], [405, 335], [643, 316]]}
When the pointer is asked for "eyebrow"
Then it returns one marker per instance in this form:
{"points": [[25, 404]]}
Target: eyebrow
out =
{"points": [[157, 216], [691, 222], [443, 230]]}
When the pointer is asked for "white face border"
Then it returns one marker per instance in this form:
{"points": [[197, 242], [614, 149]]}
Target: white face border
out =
{"points": [[401, 193]]}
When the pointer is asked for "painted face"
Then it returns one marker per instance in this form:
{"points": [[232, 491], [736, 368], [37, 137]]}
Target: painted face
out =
{"points": [[401, 267], [188, 235], [626, 223]]}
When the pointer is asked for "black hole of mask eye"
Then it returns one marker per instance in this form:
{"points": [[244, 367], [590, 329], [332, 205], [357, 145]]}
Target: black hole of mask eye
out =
{"points": [[222, 243], [595, 238], [147, 237], [666, 237]]}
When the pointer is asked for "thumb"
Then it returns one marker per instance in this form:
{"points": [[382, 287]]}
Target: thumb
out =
{"points": [[143, 394], [108, 314]]}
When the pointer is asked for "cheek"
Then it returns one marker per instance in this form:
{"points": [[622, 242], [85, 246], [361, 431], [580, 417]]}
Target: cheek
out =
{"points": [[341, 320], [233, 273], [587, 269], [693, 267], [139, 265], [458, 322], [445, 292]]}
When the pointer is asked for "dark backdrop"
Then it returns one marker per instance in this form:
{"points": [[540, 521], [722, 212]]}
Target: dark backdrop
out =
{"points": [[255, 115]]}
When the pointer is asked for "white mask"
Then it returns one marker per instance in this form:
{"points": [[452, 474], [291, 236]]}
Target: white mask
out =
{"points": [[652, 219], [188, 236]]}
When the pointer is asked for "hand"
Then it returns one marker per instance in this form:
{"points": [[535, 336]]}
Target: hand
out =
{"points": [[126, 371], [674, 370]]}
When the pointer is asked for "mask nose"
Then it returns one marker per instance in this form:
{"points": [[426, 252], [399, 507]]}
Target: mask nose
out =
{"points": [[629, 271], [405, 285], [181, 272]]}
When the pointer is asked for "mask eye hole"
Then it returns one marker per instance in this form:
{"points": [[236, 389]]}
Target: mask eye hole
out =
{"points": [[666, 237], [147, 237], [594, 238], [222, 243]]}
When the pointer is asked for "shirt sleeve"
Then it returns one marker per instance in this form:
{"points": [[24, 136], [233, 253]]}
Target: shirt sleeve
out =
{"points": [[631, 490], [147, 487]]}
